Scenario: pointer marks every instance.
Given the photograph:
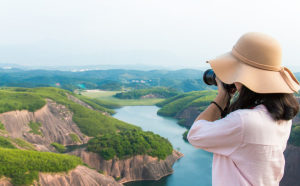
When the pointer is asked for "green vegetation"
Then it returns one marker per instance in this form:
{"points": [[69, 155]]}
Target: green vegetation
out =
{"points": [[184, 135], [158, 92], [295, 135], [5, 143], [117, 178], [22, 144], [23, 166], [59, 147], [97, 104], [35, 128], [14, 100], [90, 122], [172, 106], [2, 127], [108, 96], [130, 142], [75, 138]]}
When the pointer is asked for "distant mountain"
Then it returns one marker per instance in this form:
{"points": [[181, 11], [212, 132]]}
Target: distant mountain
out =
{"points": [[82, 68], [114, 79]]}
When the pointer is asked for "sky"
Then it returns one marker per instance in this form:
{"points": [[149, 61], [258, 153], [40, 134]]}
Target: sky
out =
{"points": [[174, 33]]}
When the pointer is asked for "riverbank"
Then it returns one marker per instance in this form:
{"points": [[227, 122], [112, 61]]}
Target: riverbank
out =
{"points": [[194, 168], [108, 96]]}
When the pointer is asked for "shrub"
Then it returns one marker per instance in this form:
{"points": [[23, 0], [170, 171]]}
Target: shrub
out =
{"points": [[59, 147], [5, 143], [129, 143], [75, 138], [2, 127], [35, 128], [184, 135], [23, 166]]}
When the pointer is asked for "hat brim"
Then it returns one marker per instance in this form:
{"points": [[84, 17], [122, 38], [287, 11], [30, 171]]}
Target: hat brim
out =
{"points": [[229, 70]]}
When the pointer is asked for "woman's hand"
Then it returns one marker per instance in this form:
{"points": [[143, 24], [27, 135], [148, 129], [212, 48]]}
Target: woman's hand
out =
{"points": [[223, 96]]}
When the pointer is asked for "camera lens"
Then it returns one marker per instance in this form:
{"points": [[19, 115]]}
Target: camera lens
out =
{"points": [[209, 77]]}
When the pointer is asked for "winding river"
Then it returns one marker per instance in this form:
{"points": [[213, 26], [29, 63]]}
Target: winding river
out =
{"points": [[192, 169]]}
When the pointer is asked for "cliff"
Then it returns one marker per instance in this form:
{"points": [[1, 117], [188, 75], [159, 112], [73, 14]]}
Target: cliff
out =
{"points": [[292, 166], [81, 175], [56, 126], [140, 167], [188, 116]]}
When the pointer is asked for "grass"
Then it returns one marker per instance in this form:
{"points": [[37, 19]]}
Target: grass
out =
{"points": [[6, 143], [2, 126], [23, 166], [23, 144], [75, 138], [59, 147], [108, 97], [35, 128]]}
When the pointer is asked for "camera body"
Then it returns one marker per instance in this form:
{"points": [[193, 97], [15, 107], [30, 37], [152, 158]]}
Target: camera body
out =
{"points": [[209, 78]]}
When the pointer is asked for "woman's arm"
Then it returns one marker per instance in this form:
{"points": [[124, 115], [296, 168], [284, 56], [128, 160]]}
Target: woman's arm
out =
{"points": [[212, 113]]}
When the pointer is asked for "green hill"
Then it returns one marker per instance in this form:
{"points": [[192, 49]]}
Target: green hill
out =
{"points": [[172, 106], [23, 166], [90, 122], [129, 143]]}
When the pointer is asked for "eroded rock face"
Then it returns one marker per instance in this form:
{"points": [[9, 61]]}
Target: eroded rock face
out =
{"points": [[5, 182], [57, 125], [189, 115], [292, 166], [76, 100], [81, 176], [141, 167]]}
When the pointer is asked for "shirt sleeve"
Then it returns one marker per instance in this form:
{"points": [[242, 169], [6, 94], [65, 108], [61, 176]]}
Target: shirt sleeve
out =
{"points": [[222, 136]]}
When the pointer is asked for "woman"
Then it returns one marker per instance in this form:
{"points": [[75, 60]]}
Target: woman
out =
{"points": [[248, 143]]}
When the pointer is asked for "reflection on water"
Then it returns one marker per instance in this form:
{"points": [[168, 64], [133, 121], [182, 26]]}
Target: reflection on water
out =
{"points": [[192, 169]]}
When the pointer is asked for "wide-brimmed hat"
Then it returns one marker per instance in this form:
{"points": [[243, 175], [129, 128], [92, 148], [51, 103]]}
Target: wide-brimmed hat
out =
{"points": [[255, 61]]}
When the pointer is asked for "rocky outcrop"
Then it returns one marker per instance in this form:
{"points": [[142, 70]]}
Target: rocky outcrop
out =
{"points": [[77, 177], [57, 125], [76, 100], [80, 176], [5, 182], [292, 166], [188, 116], [140, 167]]}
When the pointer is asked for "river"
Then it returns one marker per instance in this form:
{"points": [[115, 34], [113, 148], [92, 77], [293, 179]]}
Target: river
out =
{"points": [[192, 169]]}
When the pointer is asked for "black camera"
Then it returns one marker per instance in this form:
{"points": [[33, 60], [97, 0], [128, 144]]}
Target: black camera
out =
{"points": [[209, 77]]}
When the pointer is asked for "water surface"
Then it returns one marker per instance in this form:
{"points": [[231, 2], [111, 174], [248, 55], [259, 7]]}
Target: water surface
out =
{"points": [[192, 169]]}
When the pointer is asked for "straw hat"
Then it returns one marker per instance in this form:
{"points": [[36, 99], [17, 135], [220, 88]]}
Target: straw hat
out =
{"points": [[255, 61]]}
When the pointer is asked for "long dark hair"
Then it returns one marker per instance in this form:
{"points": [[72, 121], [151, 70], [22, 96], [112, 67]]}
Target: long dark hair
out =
{"points": [[281, 106]]}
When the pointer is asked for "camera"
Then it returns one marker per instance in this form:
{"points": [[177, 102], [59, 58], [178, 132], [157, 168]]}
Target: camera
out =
{"points": [[209, 78]]}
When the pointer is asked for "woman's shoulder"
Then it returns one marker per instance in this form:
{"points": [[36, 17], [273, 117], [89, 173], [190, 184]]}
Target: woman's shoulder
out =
{"points": [[261, 128]]}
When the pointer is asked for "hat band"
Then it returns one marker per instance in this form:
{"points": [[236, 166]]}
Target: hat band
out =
{"points": [[281, 70], [253, 63]]}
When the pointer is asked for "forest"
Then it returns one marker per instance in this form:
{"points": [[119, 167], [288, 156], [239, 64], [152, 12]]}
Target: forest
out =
{"points": [[129, 143]]}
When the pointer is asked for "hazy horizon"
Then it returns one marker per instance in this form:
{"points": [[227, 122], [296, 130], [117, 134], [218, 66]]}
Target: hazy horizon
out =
{"points": [[170, 33]]}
